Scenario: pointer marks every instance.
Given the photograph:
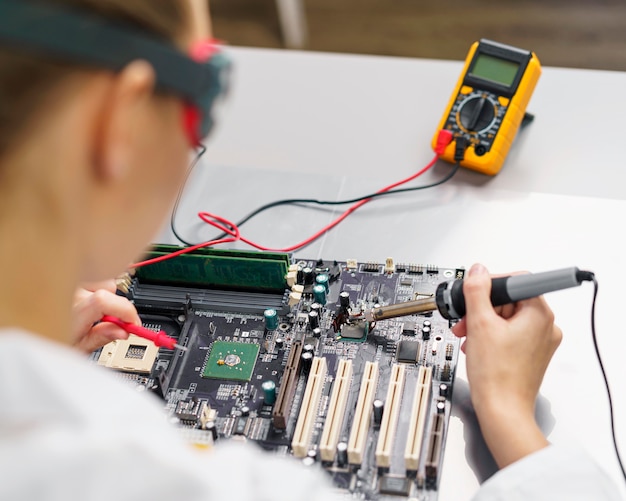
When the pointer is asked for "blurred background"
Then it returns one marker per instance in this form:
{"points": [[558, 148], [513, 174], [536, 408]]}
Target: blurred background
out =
{"points": [[566, 33]]}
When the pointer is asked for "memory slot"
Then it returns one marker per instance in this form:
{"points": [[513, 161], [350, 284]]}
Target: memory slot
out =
{"points": [[282, 406], [309, 407], [336, 410], [389, 422], [150, 296], [419, 415], [361, 422]]}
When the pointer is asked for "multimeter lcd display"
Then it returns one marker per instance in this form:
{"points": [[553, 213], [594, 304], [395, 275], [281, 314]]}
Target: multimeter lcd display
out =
{"points": [[495, 69]]}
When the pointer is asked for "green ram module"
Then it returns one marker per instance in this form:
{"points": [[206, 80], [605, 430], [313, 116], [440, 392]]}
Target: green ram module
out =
{"points": [[217, 268]]}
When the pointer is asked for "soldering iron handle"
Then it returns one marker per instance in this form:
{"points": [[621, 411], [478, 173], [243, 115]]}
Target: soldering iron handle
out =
{"points": [[506, 290]]}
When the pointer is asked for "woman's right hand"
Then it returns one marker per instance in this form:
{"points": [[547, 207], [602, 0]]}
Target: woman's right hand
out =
{"points": [[508, 350]]}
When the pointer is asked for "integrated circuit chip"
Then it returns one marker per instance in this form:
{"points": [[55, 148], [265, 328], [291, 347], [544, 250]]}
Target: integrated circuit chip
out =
{"points": [[231, 361], [409, 329], [356, 331], [395, 486], [408, 352]]}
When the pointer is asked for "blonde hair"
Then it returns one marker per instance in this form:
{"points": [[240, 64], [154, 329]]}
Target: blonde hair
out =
{"points": [[27, 77]]}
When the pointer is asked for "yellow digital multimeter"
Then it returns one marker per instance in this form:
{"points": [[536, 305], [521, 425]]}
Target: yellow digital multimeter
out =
{"points": [[488, 104]]}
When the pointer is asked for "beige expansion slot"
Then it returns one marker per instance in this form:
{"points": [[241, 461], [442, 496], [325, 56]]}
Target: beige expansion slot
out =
{"points": [[361, 422], [389, 423], [336, 410], [309, 408], [418, 418]]}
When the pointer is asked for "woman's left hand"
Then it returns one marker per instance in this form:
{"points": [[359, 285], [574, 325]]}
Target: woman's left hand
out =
{"points": [[91, 303]]}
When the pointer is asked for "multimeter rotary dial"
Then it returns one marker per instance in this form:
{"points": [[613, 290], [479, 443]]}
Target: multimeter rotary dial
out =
{"points": [[477, 112]]}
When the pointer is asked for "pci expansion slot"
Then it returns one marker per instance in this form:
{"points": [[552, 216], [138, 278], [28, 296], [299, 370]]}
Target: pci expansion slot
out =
{"points": [[336, 410], [361, 422], [419, 415], [309, 408], [390, 417]]}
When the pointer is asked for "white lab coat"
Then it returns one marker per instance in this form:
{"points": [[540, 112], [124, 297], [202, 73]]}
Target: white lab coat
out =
{"points": [[553, 473], [69, 430]]}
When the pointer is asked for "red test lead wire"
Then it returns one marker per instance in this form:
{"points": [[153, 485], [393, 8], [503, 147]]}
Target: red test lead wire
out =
{"points": [[160, 339], [206, 216], [445, 137]]}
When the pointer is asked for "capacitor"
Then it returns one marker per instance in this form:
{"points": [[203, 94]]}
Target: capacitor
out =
{"points": [[300, 275], [245, 410], [319, 294], [427, 323], [316, 307], [344, 299], [342, 454], [441, 407], [269, 392], [323, 279], [213, 429], [443, 390], [308, 347], [378, 406], [426, 332], [271, 319], [314, 319], [309, 276], [306, 360], [280, 343], [317, 332]]}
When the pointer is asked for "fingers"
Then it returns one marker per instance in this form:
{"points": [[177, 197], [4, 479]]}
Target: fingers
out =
{"points": [[506, 311], [107, 285], [103, 302], [91, 308], [536, 317], [460, 328], [99, 335], [88, 288], [477, 290], [557, 337]]}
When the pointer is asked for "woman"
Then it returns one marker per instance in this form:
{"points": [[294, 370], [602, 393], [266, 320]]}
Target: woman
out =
{"points": [[90, 162]]}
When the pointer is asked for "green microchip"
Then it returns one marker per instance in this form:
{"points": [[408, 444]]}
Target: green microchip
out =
{"points": [[231, 361]]}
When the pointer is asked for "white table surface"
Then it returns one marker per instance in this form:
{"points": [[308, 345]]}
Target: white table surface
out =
{"points": [[328, 126]]}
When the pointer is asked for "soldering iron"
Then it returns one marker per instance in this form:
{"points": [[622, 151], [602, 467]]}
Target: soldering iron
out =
{"points": [[450, 302]]}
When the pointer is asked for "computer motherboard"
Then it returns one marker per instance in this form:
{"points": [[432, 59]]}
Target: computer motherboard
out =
{"points": [[278, 353]]}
